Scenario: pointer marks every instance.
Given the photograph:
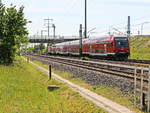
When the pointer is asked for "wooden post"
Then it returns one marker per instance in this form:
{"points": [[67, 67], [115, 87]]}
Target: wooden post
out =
{"points": [[141, 101], [144, 104], [50, 72], [148, 96], [135, 71], [28, 59]]}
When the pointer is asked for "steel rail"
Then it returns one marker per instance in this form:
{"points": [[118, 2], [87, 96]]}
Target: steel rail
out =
{"points": [[99, 63], [132, 62], [81, 64]]}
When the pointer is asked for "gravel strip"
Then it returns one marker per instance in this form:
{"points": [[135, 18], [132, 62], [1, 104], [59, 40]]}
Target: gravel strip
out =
{"points": [[93, 77]]}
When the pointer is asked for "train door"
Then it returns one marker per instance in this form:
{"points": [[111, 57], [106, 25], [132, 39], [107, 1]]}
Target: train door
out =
{"points": [[97, 48], [90, 48], [110, 47], [87, 48], [105, 48]]}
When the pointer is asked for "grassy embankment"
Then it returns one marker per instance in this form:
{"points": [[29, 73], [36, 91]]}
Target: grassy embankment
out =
{"points": [[140, 48], [113, 94], [23, 89]]}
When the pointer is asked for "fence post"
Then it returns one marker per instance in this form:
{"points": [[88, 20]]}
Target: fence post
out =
{"points": [[50, 72], [141, 100], [135, 71], [148, 96]]}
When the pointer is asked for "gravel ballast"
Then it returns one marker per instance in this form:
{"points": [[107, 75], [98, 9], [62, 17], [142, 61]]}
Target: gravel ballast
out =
{"points": [[93, 77]]}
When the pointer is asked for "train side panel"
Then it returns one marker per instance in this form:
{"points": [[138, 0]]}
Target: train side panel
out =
{"points": [[106, 46]]}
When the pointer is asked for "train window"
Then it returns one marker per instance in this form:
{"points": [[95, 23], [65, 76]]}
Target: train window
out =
{"points": [[121, 42], [101, 51], [96, 51]]}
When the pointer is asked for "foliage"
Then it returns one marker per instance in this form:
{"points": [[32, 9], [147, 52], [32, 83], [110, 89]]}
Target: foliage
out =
{"points": [[13, 32], [40, 49]]}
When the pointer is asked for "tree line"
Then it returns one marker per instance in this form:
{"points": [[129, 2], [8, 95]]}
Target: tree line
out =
{"points": [[36, 49], [13, 32]]}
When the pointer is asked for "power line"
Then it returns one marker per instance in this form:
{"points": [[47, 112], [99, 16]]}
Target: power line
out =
{"points": [[69, 5], [133, 20], [72, 3], [48, 25]]}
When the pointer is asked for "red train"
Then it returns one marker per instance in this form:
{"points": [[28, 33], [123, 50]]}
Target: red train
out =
{"points": [[110, 47]]}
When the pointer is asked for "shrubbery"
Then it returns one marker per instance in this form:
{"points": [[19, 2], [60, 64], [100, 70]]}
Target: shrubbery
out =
{"points": [[13, 32]]}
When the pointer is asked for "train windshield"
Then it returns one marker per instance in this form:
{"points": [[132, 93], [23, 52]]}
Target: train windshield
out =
{"points": [[121, 42]]}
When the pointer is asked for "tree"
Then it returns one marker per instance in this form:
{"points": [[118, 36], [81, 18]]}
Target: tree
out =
{"points": [[13, 32], [39, 48]]}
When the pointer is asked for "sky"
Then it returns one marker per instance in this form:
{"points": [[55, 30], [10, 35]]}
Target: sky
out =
{"points": [[103, 15]]}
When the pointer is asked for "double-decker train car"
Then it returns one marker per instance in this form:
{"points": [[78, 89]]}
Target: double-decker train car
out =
{"points": [[110, 47]]}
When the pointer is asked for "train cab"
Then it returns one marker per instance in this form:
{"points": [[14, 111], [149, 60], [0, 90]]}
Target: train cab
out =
{"points": [[121, 47]]}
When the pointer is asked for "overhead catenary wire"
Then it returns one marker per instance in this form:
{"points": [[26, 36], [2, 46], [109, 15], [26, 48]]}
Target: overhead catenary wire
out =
{"points": [[70, 4], [134, 25], [122, 25], [67, 10]]}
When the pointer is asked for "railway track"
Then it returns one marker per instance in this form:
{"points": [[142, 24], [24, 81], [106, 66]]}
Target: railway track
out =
{"points": [[131, 62], [100, 101], [139, 61], [140, 81], [120, 70]]}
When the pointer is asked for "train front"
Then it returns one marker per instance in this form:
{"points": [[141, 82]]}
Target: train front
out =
{"points": [[122, 49]]}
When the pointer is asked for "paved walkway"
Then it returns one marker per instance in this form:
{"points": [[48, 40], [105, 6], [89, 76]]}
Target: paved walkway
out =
{"points": [[100, 101]]}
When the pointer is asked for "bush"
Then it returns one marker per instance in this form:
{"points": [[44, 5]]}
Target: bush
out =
{"points": [[13, 32]]}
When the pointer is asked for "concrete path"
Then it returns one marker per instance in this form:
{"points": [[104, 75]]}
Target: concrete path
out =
{"points": [[100, 101]]}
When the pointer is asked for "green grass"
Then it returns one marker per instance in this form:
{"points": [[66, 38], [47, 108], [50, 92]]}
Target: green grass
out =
{"points": [[23, 89], [113, 94], [140, 48]]}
